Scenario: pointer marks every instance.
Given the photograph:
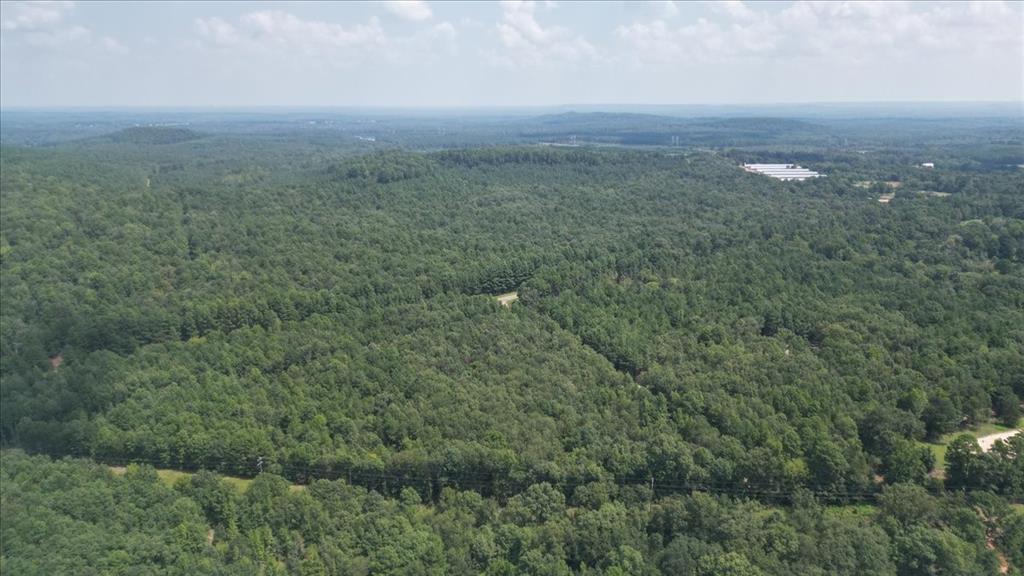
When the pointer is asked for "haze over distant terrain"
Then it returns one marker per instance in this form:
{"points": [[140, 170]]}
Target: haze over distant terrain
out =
{"points": [[507, 54]]}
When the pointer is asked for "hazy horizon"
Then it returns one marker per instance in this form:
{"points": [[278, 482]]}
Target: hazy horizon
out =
{"points": [[811, 111], [574, 105]]}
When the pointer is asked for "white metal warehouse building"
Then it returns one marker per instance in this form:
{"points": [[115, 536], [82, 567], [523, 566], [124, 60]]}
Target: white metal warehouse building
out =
{"points": [[782, 171]]}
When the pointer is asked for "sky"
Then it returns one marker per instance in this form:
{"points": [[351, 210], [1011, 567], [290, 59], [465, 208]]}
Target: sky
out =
{"points": [[462, 54]]}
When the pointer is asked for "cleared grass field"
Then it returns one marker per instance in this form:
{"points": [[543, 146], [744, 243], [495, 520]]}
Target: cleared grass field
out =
{"points": [[939, 448], [170, 477]]}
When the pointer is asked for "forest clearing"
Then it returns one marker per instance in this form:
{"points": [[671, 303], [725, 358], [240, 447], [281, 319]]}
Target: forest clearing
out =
{"points": [[507, 299], [986, 435], [986, 442]]}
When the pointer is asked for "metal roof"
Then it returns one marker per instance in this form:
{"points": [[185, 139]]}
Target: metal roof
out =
{"points": [[782, 171]]}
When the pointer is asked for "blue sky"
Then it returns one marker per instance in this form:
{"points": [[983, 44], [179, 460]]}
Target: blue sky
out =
{"points": [[431, 54]]}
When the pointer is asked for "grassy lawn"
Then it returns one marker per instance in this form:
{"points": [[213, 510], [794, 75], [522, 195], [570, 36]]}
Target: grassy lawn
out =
{"points": [[169, 477], [848, 510], [240, 484], [939, 448]]}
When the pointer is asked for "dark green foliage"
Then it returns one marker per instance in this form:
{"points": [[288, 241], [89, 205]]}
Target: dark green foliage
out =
{"points": [[999, 470], [383, 167], [73, 516], [154, 135], [940, 417], [1007, 406], [247, 303], [472, 158], [932, 535], [774, 341], [76, 518]]}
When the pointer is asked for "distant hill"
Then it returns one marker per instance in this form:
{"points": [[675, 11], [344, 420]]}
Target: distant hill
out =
{"points": [[604, 119], [155, 135], [651, 129]]}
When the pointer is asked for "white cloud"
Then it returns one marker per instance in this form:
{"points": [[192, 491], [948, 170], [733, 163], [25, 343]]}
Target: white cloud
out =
{"points": [[286, 29], [34, 15], [851, 32], [111, 44], [703, 40], [444, 30], [57, 37], [282, 32], [44, 25], [414, 10], [539, 53], [217, 31], [735, 9], [526, 42], [665, 8], [320, 43]]}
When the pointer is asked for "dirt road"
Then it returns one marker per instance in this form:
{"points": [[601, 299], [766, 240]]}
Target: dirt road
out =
{"points": [[986, 442]]}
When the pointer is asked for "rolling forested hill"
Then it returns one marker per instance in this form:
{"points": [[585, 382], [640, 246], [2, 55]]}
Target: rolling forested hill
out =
{"points": [[706, 371]]}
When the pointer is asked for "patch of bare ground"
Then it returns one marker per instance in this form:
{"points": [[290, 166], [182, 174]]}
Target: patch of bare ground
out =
{"points": [[986, 442], [991, 533], [869, 183], [1004, 564], [507, 299]]}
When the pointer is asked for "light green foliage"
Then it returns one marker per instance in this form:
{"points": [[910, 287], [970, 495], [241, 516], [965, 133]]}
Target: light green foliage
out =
{"points": [[73, 515]]}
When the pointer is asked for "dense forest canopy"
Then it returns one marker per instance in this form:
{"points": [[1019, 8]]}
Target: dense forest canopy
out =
{"points": [[707, 371]]}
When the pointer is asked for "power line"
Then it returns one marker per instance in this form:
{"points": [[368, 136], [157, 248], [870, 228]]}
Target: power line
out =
{"points": [[306, 474]]}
